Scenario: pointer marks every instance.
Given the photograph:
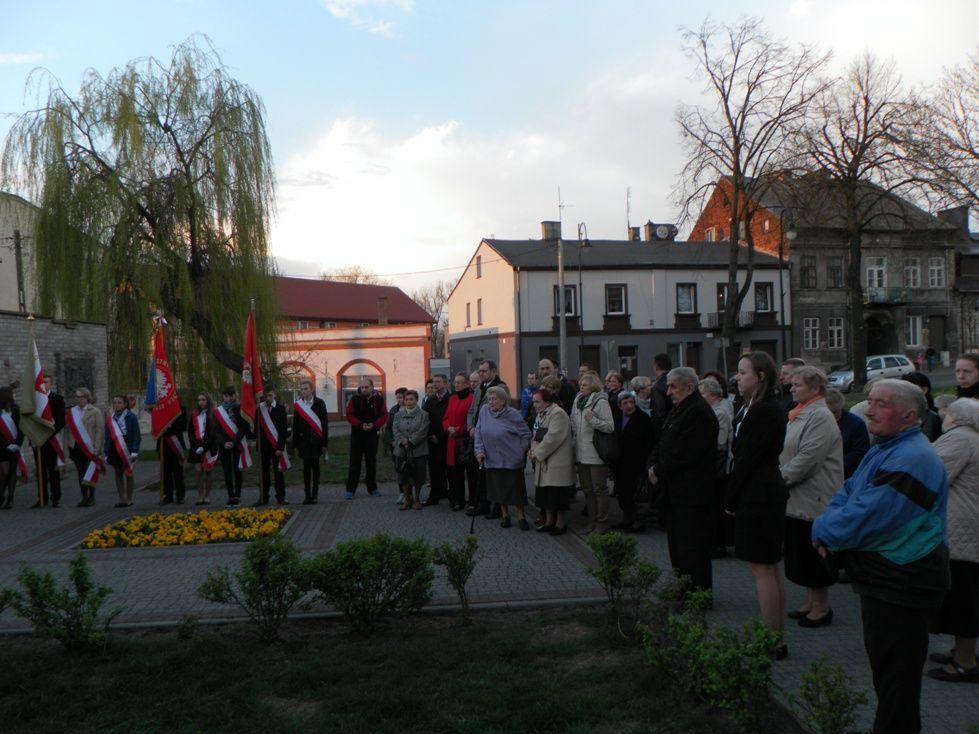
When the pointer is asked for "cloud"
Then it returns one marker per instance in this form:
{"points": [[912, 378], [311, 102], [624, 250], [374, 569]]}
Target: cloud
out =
{"points": [[11, 57], [363, 13]]}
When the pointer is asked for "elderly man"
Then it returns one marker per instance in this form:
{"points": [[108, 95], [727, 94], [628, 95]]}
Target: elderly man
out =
{"points": [[548, 367], [889, 518], [685, 464], [435, 407], [366, 414]]}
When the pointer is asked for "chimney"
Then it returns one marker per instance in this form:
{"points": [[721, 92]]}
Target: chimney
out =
{"points": [[956, 216], [649, 231], [550, 230], [382, 310], [633, 234]]}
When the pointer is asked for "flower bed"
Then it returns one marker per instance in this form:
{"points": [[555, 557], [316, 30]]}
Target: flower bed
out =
{"points": [[191, 528]]}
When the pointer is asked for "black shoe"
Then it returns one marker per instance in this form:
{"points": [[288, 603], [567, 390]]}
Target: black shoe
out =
{"points": [[584, 511], [494, 515], [283, 501], [120, 504], [559, 531], [430, 502], [824, 621], [37, 506], [90, 502], [545, 528], [798, 614], [308, 501], [505, 523], [781, 652], [456, 508], [83, 503], [523, 524], [165, 501], [55, 503]]}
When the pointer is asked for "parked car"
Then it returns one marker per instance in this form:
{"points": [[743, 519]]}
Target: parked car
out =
{"points": [[878, 365]]}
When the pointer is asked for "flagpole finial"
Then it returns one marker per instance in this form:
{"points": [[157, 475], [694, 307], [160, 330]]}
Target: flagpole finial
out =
{"points": [[30, 317], [253, 304]]}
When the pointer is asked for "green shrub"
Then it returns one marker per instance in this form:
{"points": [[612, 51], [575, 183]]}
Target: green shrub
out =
{"points": [[459, 562], [370, 578], [72, 615], [186, 627], [828, 699], [727, 671], [272, 580], [626, 579]]}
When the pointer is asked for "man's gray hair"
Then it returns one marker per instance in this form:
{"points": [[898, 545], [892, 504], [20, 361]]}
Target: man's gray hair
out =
{"points": [[639, 382], [906, 393], [964, 412], [498, 392], [711, 387], [685, 375]]}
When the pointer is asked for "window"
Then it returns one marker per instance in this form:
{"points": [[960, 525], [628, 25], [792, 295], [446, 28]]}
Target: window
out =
{"points": [[615, 300], [328, 324], [890, 363], [834, 271], [810, 334], [709, 235], [570, 301], [766, 225], [302, 325], [763, 297], [936, 272], [479, 266], [469, 317], [721, 296], [628, 357], [912, 272], [912, 331], [350, 383], [686, 298], [875, 364], [876, 272], [807, 273], [834, 332], [479, 311]]}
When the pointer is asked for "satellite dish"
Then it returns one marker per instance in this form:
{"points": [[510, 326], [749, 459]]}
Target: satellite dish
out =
{"points": [[662, 232]]}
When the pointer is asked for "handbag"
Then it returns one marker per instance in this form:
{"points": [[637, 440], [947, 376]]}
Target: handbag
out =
{"points": [[606, 444]]}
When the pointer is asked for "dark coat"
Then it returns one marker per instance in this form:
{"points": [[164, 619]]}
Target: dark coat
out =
{"points": [[18, 437], [367, 409], [659, 400], [307, 444], [931, 425], [856, 441], [685, 458], [57, 404], [220, 436], [756, 446], [436, 408], [208, 442], [132, 438], [278, 415], [637, 442]]}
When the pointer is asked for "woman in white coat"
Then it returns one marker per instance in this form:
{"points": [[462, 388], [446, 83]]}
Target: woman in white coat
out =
{"points": [[592, 412]]}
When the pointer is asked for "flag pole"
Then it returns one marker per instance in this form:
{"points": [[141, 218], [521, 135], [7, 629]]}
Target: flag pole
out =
{"points": [[38, 466], [258, 426], [161, 446]]}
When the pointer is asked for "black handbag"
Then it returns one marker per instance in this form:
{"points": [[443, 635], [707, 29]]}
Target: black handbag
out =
{"points": [[607, 446]]}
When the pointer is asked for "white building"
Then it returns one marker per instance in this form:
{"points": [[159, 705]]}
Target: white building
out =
{"points": [[16, 253], [628, 301]]}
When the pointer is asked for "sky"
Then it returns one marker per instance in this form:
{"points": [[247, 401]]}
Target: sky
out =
{"points": [[404, 131]]}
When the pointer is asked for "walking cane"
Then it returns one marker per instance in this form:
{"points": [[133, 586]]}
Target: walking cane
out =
{"points": [[480, 478]]}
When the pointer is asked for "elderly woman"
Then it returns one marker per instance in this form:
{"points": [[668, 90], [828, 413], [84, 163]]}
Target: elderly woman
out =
{"points": [[853, 431], [637, 439], [642, 386], [592, 412], [941, 405], [723, 528], [811, 463], [958, 448], [502, 440], [552, 451], [411, 449]]}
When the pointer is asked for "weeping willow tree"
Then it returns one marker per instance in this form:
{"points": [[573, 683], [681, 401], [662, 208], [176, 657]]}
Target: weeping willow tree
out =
{"points": [[155, 188]]}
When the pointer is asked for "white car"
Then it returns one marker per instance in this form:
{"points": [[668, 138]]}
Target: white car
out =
{"points": [[878, 365]]}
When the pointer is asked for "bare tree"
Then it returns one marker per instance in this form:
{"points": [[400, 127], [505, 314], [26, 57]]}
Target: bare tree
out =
{"points": [[759, 92], [355, 274], [854, 140], [434, 298]]}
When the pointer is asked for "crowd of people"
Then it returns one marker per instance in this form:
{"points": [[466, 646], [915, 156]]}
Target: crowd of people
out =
{"points": [[777, 469]]}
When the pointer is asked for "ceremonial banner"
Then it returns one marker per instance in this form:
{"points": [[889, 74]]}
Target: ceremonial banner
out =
{"points": [[251, 374], [36, 419], [161, 390]]}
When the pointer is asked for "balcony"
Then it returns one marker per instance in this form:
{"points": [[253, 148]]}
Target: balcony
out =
{"points": [[746, 320], [571, 323], [616, 322], [887, 296], [687, 321]]}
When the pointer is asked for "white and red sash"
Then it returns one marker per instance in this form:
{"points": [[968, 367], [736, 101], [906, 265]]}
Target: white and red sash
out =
{"points": [[306, 413], [8, 434], [93, 473], [119, 441], [272, 436], [173, 443], [228, 426], [208, 460]]}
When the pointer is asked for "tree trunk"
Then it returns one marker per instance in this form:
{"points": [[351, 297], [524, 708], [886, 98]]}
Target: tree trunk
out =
{"points": [[854, 285]]}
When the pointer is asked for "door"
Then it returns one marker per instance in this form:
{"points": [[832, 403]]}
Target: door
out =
{"points": [[936, 333], [875, 367], [891, 367], [590, 354], [693, 356]]}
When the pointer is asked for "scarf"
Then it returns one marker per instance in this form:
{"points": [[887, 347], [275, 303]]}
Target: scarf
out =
{"points": [[794, 413], [410, 411]]}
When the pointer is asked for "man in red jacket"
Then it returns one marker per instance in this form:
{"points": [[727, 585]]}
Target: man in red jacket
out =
{"points": [[366, 413]]}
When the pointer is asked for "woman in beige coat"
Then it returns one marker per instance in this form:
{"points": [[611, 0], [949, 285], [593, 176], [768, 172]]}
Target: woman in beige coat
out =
{"points": [[592, 412], [553, 456], [93, 422], [811, 463]]}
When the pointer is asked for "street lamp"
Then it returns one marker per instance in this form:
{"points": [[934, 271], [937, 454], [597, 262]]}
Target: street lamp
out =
{"points": [[583, 242], [790, 234]]}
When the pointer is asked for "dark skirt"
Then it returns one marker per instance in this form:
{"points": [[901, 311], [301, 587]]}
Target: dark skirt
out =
{"points": [[759, 532], [506, 486], [803, 565], [413, 473], [554, 499], [959, 614]]}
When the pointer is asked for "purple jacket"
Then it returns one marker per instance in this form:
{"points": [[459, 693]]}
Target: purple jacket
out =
{"points": [[503, 437]]}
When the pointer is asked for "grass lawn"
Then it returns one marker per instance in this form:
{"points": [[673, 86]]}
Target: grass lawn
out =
{"points": [[553, 671], [333, 471]]}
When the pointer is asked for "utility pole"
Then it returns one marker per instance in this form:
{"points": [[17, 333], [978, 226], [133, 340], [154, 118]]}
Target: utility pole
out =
{"points": [[561, 323], [19, 265]]}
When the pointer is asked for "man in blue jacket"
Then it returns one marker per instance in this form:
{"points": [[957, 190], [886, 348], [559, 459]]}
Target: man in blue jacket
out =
{"points": [[888, 521]]}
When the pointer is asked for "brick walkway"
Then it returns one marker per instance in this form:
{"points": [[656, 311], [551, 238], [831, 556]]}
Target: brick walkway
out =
{"points": [[159, 585]]}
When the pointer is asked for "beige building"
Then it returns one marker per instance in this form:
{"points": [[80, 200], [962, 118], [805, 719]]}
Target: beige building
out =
{"points": [[16, 253]]}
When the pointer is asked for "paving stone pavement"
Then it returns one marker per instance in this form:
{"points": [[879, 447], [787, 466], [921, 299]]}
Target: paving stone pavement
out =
{"points": [[159, 584]]}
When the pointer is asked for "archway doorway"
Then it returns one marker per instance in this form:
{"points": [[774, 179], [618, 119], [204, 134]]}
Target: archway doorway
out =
{"points": [[881, 336]]}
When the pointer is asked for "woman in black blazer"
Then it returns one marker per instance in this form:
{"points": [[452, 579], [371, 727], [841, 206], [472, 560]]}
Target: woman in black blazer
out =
{"points": [[756, 495]]}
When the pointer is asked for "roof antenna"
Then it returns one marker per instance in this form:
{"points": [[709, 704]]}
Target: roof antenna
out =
{"points": [[628, 208]]}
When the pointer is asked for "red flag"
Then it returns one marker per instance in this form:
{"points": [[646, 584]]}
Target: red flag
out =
{"points": [[251, 374], [161, 390]]}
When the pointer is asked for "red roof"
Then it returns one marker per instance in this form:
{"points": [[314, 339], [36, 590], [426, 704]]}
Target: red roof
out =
{"points": [[332, 300]]}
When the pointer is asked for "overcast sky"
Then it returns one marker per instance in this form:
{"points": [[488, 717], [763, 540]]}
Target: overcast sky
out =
{"points": [[406, 130]]}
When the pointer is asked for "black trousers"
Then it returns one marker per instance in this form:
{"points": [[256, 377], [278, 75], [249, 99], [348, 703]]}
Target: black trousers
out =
{"points": [[896, 640], [51, 486], [81, 466], [689, 537], [232, 474], [173, 478], [311, 477], [457, 476], [626, 484], [437, 471], [363, 448], [268, 462]]}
